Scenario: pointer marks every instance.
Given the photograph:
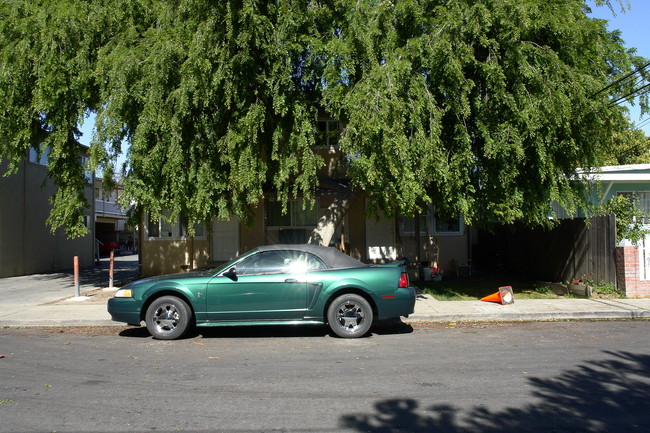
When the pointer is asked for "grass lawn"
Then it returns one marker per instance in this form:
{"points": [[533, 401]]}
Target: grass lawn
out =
{"points": [[474, 289]]}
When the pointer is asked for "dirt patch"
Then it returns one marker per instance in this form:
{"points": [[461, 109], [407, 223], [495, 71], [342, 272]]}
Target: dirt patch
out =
{"points": [[97, 296]]}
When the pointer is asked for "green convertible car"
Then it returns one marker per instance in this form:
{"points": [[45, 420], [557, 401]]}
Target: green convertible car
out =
{"points": [[278, 284]]}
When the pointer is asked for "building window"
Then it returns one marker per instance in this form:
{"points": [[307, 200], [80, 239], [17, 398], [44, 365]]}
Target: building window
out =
{"points": [[295, 216], [88, 175], [294, 226], [329, 132], [164, 229], [407, 225], [433, 224], [44, 158], [41, 159], [448, 224], [153, 227], [198, 228], [641, 199]]}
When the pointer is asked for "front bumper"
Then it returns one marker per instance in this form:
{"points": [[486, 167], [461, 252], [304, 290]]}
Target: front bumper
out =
{"points": [[125, 310]]}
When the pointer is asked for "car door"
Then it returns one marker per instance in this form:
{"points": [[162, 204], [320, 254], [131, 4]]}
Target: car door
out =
{"points": [[264, 286]]}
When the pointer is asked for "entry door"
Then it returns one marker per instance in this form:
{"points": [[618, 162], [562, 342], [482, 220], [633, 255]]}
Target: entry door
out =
{"points": [[225, 240], [380, 238]]}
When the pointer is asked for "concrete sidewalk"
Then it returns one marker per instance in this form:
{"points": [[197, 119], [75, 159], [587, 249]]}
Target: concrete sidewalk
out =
{"points": [[44, 300]]}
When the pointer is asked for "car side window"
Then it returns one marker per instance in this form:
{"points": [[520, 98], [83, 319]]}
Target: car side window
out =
{"points": [[263, 263], [312, 262], [299, 262], [273, 262]]}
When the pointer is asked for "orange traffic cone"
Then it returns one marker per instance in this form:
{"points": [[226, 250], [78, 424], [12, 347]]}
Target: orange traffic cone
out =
{"points": [[503, 296]]}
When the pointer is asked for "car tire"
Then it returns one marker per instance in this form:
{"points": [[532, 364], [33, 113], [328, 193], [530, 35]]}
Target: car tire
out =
{"points": [[168, 318], [350, 316]]}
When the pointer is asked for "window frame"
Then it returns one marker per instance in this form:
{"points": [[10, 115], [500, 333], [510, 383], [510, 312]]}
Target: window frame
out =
{"points": [[429, 228], [323, 136], [291, 211], [41, 159], [631, 193], [174, 228]]}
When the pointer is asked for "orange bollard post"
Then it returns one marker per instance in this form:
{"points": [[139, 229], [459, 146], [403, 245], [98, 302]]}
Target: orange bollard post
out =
{"points": [[111, 269], [76, 276]]}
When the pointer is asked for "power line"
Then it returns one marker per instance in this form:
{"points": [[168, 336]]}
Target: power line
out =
{"points": [[643, 123], [633, 92], [639, 69]]}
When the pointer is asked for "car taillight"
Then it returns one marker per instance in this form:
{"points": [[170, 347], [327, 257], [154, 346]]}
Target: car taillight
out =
{"points": [[404, 280]]}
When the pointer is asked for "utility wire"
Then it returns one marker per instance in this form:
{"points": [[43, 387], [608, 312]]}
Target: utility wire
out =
{"points": [[639, 69], [643, 123], [633, 92]]}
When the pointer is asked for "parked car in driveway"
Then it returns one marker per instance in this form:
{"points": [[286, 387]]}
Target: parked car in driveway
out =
{"points": [[270, 285], [107, 247]]}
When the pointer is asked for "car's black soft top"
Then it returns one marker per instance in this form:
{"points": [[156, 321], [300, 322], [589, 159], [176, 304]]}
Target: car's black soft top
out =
{"points": [[332, 257]]}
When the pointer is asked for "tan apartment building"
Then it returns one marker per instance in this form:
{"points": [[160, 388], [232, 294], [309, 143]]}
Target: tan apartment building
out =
{"points": [[166, 248], [27, 245]]}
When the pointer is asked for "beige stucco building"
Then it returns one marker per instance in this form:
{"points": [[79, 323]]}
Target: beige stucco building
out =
{"points": [[27, 245], [165, 247]]}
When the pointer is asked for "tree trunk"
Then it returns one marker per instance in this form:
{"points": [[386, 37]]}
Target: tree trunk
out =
{"points": [[328, 223]]}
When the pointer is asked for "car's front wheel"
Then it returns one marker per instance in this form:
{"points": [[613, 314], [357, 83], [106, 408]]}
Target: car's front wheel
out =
{"points": [[168, 318], [350, 316]]}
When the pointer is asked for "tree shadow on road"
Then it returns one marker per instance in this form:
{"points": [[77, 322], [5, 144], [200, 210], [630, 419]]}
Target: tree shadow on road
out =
{"points": [[600, 396]]}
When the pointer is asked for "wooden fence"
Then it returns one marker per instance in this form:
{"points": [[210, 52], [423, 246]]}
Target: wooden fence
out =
{"points": [[574, 249]]}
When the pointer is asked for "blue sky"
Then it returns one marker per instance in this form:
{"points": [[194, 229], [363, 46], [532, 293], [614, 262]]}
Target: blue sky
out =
{"points": [[633, 25]]}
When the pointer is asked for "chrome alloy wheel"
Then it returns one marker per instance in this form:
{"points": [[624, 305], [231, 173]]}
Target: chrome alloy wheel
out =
{"points": [[350, 316], [166, 318]]}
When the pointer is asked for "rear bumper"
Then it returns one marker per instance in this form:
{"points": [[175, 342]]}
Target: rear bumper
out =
{"points": [[400, 303], [125, 310]]}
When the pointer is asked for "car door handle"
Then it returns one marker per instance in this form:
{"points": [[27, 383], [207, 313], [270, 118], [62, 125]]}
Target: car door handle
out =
{"points": [[290, 280]]}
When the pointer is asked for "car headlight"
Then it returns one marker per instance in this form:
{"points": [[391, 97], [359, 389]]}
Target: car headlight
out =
{"points": [[124, 293]]}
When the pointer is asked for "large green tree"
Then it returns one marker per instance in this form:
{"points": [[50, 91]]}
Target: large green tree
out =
{"points": [[483, 107]]}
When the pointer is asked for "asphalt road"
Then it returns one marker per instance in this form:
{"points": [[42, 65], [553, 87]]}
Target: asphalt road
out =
{"points": [[511, 377]]}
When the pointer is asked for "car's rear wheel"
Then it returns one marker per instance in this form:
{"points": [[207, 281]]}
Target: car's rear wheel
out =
{"points": [[168, 318], [350, 316]]}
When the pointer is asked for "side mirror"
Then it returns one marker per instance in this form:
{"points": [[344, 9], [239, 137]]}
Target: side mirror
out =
{"points": [[231, 273]]}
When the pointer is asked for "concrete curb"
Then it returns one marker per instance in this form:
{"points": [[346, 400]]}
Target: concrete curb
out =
{"points": [[527, 317], [427, 309]]}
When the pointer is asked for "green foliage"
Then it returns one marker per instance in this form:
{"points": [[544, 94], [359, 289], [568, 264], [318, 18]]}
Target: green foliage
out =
{"points": [[484, 107], [472, 290], [628, 147], [607, 290], [629, 217], [47, 84]]}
